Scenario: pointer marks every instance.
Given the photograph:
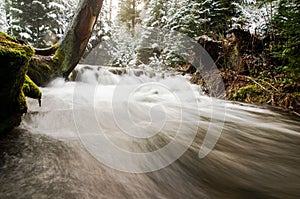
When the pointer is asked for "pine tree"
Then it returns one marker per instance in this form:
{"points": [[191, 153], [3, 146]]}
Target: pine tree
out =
{"points": [[3, 21], [287, 27], [129, 13], [156, 13], [38, 22], [193, 17], [188, 17]]}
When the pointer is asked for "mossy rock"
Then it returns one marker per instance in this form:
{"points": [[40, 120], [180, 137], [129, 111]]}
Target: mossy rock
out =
{"points": [[40, 70], [31, 90], [250, 94], [44, 66], [14, 56]]}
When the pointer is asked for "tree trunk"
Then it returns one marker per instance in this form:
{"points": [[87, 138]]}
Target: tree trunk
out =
{"points": [[73, 44], [133, 19], [110, 10], [70, 49]]}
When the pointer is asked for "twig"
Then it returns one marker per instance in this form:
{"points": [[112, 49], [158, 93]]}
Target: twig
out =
{"points": [[255, 83], [298, 114], [271, 85]]}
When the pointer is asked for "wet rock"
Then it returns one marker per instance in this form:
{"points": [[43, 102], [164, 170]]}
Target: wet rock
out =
{"points": [[14, 58]]}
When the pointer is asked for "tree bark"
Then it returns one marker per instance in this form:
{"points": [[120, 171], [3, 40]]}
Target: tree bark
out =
{"points": [[74, 42], [71, 47]]}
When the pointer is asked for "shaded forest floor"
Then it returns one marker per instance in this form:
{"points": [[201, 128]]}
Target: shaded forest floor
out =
{"points": [[251, 73]]}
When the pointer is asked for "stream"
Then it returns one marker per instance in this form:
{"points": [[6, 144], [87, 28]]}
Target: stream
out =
{"points": [[130, 133]]}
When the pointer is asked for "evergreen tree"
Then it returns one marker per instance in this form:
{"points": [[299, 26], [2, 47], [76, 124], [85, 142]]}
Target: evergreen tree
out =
{"points": [[193, 17], [221, 15], [38, 21], [3, 21], [185, 18], [287, 27], [129, 13], [156, 11]]}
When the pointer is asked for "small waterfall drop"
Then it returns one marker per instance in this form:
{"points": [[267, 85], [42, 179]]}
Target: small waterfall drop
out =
{"points": [[59, 152]]}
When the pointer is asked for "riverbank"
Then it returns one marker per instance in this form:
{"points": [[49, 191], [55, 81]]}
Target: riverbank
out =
{"points": [[252, 71], [258, 90]]}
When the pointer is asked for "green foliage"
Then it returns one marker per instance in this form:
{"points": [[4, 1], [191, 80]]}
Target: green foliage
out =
{"points": [[217, 15], [250, 93], [192, 18], [156, 10], [287, 48]]}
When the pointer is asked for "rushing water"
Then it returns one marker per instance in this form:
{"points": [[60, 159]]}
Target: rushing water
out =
{"points": [[48, 156]]}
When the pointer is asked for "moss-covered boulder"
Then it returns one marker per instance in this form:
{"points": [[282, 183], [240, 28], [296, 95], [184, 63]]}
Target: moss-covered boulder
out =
{"points": [[14, 56], [44, 65], [40, 69]]}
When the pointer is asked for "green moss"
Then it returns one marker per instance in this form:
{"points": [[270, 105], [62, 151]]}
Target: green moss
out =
{"points": [[14, 58], [12, 49], [30, 89], [44, 68], [5, 36], [251, 94], [59, 58], [39, 70]]}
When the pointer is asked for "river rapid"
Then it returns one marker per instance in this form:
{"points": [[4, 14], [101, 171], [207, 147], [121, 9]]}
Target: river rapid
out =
{"points": [[59, 150]]}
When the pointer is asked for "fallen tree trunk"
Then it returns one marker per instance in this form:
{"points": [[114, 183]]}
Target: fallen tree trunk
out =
{"points": [[60, 60]]}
